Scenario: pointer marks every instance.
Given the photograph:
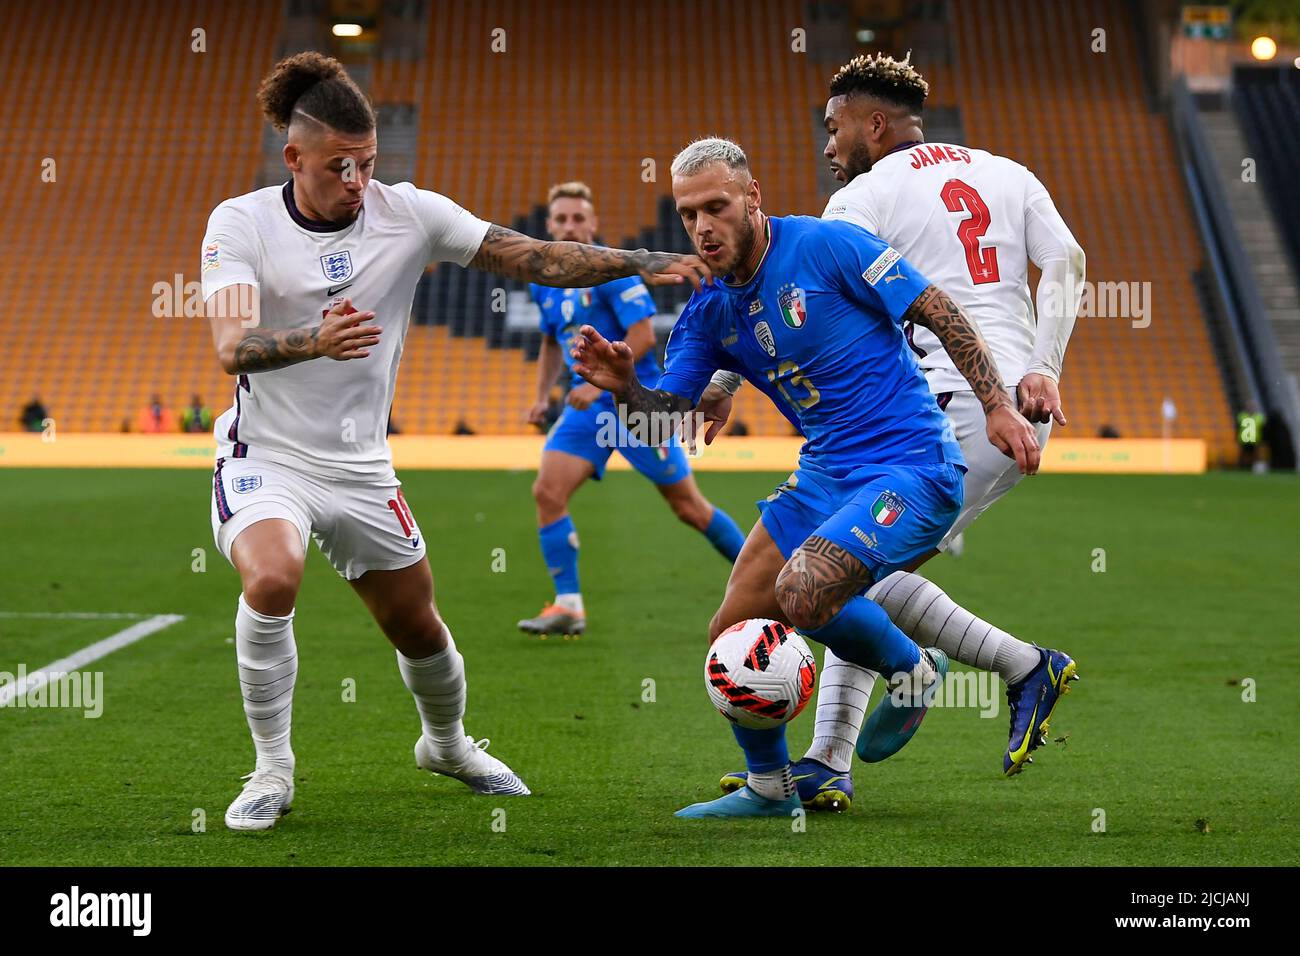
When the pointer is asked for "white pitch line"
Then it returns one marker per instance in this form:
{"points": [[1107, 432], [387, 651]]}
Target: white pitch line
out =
{"points": [[74, 615], [93, 652]]}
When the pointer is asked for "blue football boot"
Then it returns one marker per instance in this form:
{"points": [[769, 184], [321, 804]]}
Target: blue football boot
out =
{"points": [[1032, 703], [742, 803], [820, 787], [897, 717]]}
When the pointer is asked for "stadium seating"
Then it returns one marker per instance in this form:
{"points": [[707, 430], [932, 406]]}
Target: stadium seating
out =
{"points": [[1030, 87], [148, 136]]}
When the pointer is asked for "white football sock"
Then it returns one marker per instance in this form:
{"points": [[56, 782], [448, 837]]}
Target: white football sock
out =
{"points": [[909, 686], [923, 612], [268, 668], [842, 696], [773, 784], [438, 685], [570, 602]]}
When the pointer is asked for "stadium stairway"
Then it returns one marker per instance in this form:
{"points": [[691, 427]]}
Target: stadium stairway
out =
{"points": [[1264, 124], [1031, 89]]}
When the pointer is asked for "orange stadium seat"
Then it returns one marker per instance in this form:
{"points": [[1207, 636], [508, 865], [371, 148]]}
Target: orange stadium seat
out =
{"points": [[147, 136]]}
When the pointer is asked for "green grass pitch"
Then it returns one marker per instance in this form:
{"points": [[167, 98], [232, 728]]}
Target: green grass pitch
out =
{"points": [[1198, 595]]}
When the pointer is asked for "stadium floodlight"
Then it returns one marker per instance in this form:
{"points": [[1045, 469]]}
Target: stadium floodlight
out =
{"points": [[1263, 48], [347, 29]]}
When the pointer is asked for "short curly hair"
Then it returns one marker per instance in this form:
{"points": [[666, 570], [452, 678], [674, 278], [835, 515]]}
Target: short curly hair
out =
{"points": [[881, 76], [317, 88]]}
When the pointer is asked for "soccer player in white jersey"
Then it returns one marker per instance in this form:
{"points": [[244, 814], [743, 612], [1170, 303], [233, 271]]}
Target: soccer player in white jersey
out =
{"points": [[303, 452], [971, 222]]}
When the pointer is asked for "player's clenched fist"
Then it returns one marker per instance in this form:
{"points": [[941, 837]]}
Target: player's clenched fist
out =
{"points": [[341, 335], [1014, 437], [605, 364]]}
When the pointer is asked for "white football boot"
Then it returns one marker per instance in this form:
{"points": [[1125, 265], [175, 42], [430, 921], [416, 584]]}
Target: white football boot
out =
{"points": [[480, 771], [266, 797]]}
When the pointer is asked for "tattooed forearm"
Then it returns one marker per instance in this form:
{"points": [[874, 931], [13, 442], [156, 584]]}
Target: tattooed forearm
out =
{"points": [[817, 581], [935, 310], [572, 264], [650, 414], [262, 351]]}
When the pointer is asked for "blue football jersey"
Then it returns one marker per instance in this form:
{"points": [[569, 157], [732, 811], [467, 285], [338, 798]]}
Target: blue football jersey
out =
{"points": [[611, 309], [819, 329]]}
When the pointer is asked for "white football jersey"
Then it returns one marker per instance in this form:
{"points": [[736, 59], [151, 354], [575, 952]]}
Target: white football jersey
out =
{"points": [[328, 416], [970, 222]]}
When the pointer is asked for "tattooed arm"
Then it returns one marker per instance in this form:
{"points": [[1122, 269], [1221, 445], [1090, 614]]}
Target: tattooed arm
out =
{"points": [[576, 264], [1007, 429], [612, 366], [935, 310], [243, 347]]}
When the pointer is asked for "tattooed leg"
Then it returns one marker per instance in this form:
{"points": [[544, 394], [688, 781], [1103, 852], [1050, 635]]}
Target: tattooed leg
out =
{"points": [[817, 581], [820, 590]]}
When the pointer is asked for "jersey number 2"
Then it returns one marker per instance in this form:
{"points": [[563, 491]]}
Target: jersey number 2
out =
{"points": [[982, 263]]}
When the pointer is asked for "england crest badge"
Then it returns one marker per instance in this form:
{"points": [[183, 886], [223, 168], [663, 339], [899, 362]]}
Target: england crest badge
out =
{"points": [[337, 266], [246, 483]]}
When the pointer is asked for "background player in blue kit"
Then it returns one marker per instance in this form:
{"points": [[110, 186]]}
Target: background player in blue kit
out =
{"points": [[589, 430], [811, 313]]}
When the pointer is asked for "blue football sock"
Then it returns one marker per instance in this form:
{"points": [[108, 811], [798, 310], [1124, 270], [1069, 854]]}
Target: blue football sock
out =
{"points": [[725, 535], [863, 634], [560, 551], [765, 750]]}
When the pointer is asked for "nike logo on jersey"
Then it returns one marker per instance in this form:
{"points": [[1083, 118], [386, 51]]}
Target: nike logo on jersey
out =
{"points": [[335, 290]]}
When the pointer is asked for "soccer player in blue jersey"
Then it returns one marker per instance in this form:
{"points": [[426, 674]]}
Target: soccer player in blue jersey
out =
{"points": [[811, 313], [589, 430]]}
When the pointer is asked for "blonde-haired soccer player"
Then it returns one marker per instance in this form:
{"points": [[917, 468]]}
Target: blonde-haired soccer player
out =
{"points": [[303, 451], [971, 221], [588, 431]]}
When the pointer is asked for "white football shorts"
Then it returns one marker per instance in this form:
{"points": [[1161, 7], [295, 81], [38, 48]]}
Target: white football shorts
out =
{"points": [[359, 526], [989, 473]]}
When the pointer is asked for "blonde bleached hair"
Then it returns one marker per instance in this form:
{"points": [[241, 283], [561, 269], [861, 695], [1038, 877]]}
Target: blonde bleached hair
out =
{"points": [[881, 76], [705, 152], [574, 189]]}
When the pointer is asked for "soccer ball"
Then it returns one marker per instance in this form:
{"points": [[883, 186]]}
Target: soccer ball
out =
{"points": [[760, 674]]}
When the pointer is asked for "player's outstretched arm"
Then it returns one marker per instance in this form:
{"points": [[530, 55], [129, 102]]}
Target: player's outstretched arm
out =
{"points": [[1007, 429], [576, 264], [243, 348], [612, 366]]}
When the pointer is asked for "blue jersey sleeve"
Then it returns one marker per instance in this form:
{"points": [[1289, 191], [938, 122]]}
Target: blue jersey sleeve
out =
{"points": [[627, 299], [692, 356], [868, 270]]}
